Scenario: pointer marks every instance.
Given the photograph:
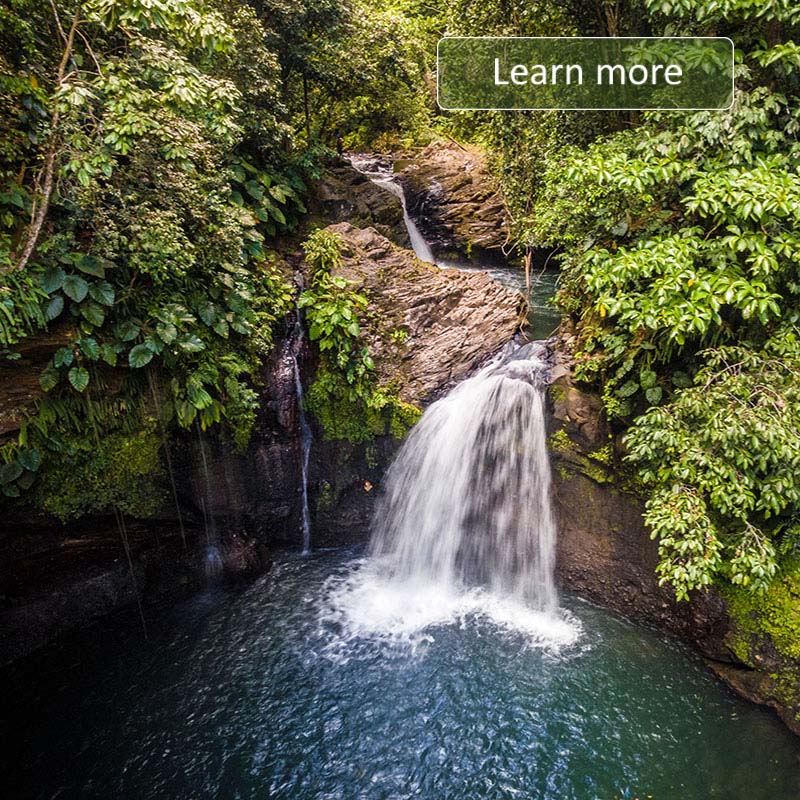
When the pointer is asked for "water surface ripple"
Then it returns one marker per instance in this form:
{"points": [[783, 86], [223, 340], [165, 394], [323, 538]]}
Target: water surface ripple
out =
{"points": [[291, 688]]}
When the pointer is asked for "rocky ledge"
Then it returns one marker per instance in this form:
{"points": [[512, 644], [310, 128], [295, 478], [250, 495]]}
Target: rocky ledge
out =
{"points": [[455, 201], [343, 194], [434, 326]]}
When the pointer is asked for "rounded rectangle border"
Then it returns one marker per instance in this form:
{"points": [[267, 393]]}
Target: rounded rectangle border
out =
{"points": [[606, 41]]}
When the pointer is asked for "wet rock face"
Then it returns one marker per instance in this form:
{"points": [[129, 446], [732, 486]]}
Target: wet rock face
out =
{"points": [[449, 321], [428, 329], [455, 202], [343, 194], [605, 554]]}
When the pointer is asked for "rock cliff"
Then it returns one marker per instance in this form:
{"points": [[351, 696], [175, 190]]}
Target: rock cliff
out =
{"points": [[428, 328], [453, 198], [605, 554]]}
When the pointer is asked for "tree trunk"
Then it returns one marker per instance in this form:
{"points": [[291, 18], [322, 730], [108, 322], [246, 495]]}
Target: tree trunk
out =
{"points": [[40, 213]]}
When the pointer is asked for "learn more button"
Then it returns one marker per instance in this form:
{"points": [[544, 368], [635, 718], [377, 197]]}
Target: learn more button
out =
{"points": [[489, 73]]}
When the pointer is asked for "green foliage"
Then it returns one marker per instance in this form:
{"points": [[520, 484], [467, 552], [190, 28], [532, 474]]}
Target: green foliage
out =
{"points": [[678, 240], [22, 308], [332, 314], [359, 68], [345, 397], [323, 250], [357, 415], [722, 458], [273, 200], [152, 256], [121, 471]]}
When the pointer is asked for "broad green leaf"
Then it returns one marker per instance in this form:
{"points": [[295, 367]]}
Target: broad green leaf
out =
{"points": [[30, 459], [140, 356], [75, 288], [54, 307], [647, 379], [53, 279], [167, 332], [254, 190], [49, 379], [91, 266], [207, 312], [102, 292], [127, 331], [109, 355], [63, 357], [221, 327], [90, 348], [93, 313], [191, 344], [627, 389], [10, 472], [653, 395], [79, 378]]}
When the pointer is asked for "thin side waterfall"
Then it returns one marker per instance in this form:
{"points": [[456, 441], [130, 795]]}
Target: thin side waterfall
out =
{"points": [[212, 563], [305, 432], [467, 500], [372, 169]]}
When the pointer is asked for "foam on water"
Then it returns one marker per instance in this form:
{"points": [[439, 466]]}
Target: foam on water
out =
{"points": [[365, 603]]}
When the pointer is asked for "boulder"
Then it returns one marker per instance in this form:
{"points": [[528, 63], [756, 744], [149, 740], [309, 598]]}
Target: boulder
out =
{"points": [[427, 329], [453, 198], [435, 325], [344, 194]]}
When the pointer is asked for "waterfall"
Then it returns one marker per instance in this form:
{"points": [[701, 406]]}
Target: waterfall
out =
{"points": [[305, 431], [212, 563], [464, 529], [370, 167], [467, 500]]}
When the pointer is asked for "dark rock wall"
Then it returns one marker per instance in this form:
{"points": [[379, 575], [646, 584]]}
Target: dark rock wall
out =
{"points": [[605, 554]]}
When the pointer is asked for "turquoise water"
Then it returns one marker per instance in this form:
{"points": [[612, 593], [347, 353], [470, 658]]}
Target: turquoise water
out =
{"points": [[270, 692]]}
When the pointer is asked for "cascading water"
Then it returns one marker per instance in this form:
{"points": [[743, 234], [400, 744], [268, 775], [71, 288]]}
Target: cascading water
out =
{"points": [[368, 166], [464, 528], [467, 499], [305, 431], [543, 319], [212, 563]]}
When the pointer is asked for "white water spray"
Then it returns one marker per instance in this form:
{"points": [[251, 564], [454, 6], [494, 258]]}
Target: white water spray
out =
{"points": [[465, 527]]}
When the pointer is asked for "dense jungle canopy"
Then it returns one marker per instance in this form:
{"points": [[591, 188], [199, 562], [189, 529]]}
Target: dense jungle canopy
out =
{"points": [[155, 157]]}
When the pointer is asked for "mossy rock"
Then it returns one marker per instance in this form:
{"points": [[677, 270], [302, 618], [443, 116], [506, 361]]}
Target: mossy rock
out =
{"points": [[573, 460], [773, 616]]}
